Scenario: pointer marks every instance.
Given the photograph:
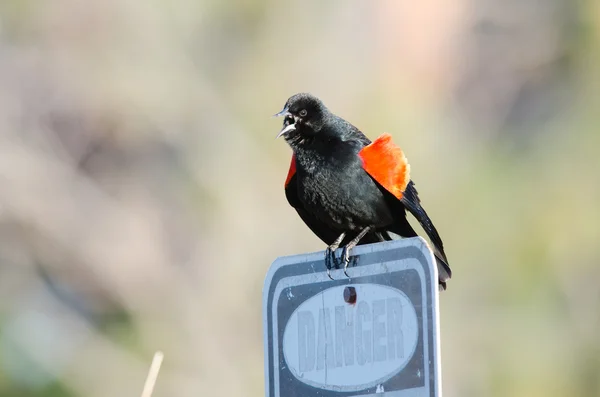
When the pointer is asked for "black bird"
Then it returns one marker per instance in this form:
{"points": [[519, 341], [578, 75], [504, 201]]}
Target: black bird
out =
{"points": [[347, 189]]}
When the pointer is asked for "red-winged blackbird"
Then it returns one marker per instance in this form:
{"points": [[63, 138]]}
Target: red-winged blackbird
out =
{"points": [[347, 189]]}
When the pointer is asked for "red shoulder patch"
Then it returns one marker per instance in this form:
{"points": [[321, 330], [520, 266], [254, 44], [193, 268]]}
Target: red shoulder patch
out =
{"points": [[386, 163], [292, 170]]}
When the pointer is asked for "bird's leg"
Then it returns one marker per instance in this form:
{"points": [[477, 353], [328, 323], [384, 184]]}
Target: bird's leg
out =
{"points": [[330, 254], [350, 245], [380, 237]]}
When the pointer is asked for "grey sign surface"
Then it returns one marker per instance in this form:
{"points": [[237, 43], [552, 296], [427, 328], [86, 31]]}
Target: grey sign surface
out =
{"points": [[375, 332]]}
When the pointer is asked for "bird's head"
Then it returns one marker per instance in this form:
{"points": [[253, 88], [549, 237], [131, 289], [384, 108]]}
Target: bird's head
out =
{"points": [[304, 116]]}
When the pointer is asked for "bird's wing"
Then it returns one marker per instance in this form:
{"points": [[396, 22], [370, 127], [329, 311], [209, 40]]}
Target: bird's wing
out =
{"points": [[386, 164], [291, 172], [291, 193], [411, 201]]}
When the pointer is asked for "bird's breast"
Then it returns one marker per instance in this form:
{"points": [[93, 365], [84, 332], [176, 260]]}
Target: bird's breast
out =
{"points": [[343, 196]]}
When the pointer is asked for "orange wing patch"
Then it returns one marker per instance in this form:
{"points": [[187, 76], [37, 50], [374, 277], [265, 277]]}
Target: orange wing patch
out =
{"points": [[292, 170], [386, 163]]}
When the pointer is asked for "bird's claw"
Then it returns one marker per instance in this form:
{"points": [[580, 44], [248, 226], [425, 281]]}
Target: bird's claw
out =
{"points": [[329, 260], [346, 258], [332, 262]]}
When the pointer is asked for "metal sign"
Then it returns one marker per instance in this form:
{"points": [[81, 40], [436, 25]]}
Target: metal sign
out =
{"points": [[375, 332]]}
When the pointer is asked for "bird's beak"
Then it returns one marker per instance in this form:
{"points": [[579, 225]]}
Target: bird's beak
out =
{"points": [[286, 128], [284, 112]]}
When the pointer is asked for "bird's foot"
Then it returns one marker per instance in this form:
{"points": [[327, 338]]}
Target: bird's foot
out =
{"points": [[347, 258], [330, 261], [348, 248], [330, 255]]}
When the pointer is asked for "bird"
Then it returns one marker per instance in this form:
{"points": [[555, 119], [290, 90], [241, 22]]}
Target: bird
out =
{"points": [[348, 189]]}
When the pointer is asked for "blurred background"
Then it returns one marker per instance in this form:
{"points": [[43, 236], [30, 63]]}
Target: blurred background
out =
{"points": [[141, 187]]}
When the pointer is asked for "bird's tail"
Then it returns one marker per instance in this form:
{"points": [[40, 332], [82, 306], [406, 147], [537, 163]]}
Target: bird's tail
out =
{"points": [[444, 271], [412, 203]]}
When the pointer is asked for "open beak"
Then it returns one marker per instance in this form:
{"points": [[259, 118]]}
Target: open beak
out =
{"points": [[288, 125], [286, 129]]}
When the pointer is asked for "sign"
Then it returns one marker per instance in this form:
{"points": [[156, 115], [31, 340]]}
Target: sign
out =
{"points": [[375, 332]]}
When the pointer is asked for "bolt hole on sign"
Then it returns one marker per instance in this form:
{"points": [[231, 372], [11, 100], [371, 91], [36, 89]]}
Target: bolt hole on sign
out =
{"points": [[374, 331]]}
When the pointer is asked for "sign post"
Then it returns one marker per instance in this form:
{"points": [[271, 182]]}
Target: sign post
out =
{"points": [[375, 332]]}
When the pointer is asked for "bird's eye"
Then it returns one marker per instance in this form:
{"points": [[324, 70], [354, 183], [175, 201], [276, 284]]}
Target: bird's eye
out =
{"points": [[303, 112]]}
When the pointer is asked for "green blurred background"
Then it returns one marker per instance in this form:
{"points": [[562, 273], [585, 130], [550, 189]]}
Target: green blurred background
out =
{"points": [[141, 188]]}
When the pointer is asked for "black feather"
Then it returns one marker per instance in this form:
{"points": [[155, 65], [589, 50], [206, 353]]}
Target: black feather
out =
{"points": [[411, 201], [332, 192]]}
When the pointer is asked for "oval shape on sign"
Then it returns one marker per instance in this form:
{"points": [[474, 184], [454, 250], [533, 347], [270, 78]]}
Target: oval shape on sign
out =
{"points": [[333, 345]]}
